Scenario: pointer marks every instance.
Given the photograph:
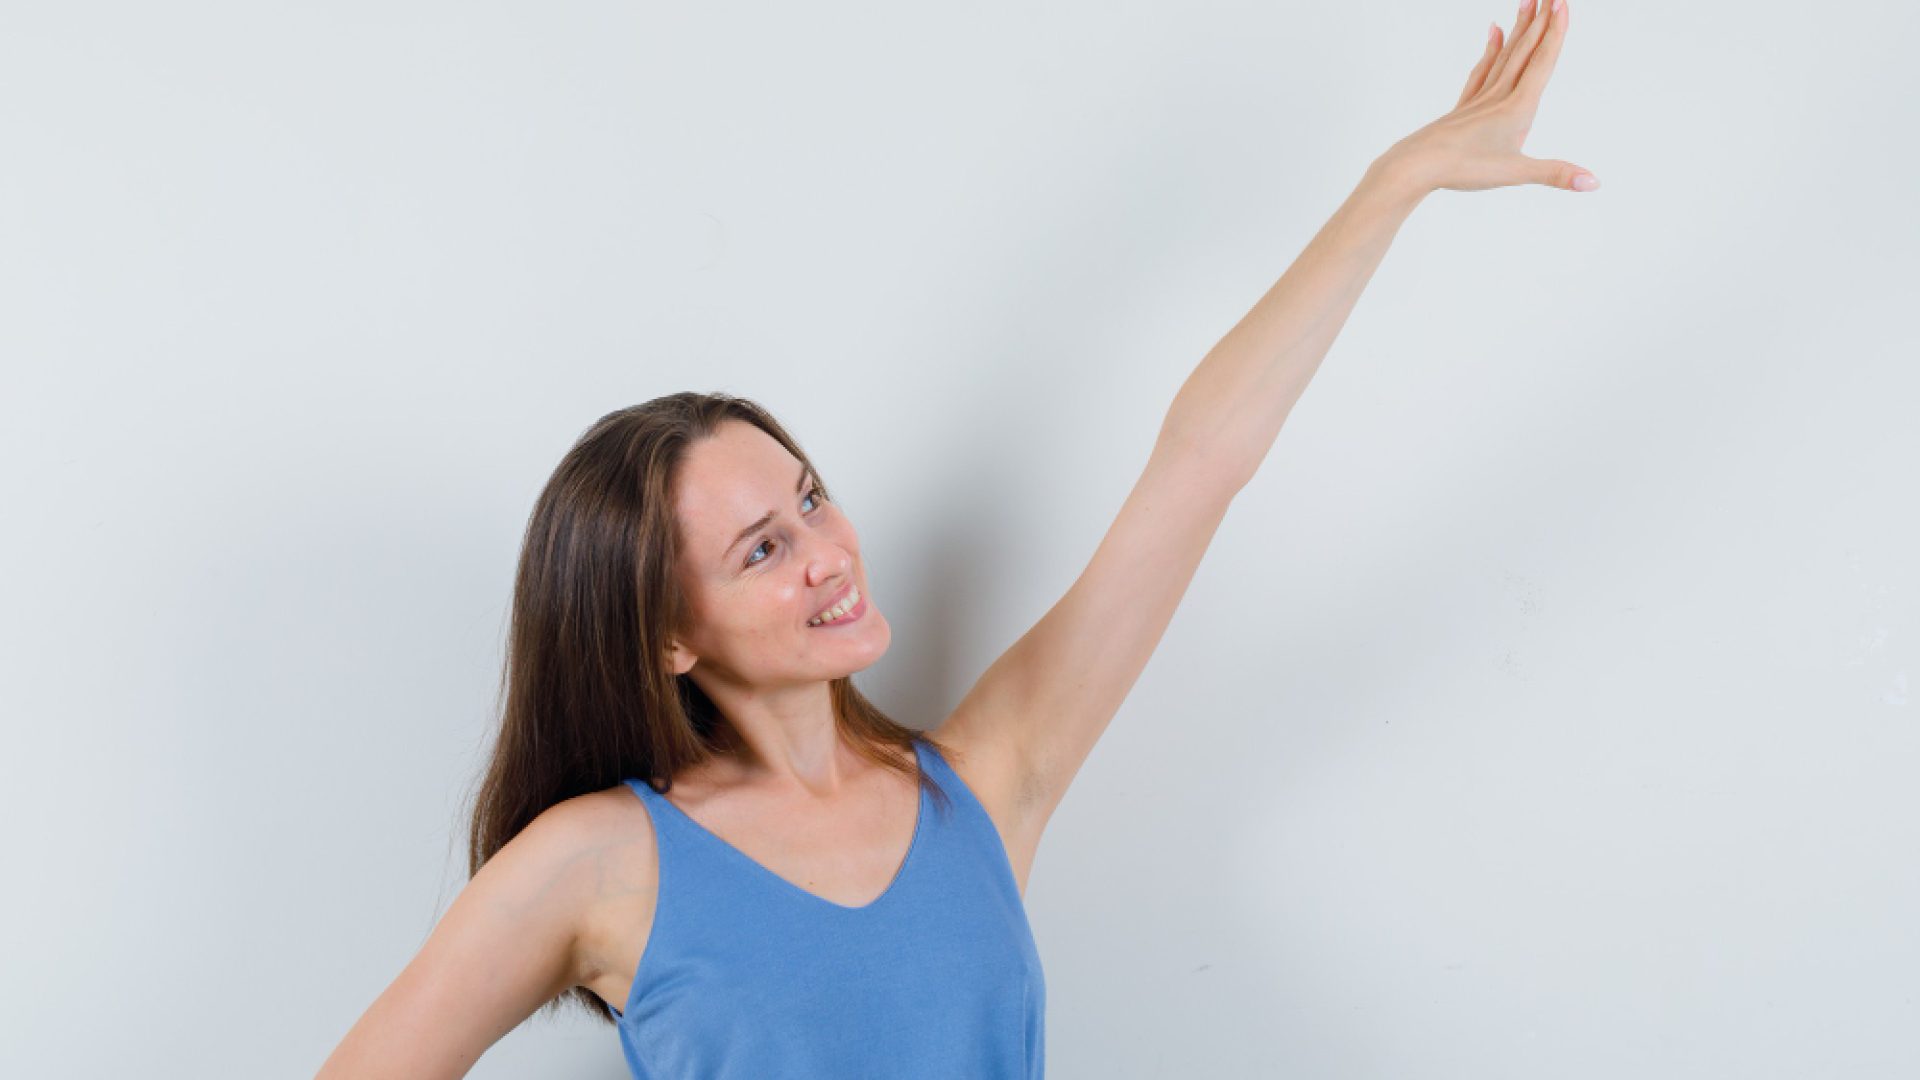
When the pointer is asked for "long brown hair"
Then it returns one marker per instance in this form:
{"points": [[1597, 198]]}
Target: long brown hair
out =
{"points": [[589, 696]]}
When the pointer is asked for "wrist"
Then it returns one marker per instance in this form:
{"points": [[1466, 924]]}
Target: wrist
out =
{"points": [[1395, 178]]}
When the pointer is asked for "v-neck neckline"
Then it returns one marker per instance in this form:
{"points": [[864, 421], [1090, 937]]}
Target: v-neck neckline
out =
{"points": [[913, 845]]}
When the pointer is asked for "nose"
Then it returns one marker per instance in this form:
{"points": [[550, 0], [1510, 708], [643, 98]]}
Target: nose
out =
{"points": [[829, 560]]}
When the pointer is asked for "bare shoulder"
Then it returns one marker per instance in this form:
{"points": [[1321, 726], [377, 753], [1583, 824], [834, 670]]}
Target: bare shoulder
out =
{"points": [[611, 832], [993, 769], [602, 844]]}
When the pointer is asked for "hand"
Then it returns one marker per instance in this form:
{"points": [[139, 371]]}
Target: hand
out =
{"points": [[1477, 145]]}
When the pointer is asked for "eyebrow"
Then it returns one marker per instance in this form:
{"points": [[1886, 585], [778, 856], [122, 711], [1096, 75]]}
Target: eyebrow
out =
{"points": [[758, 525]]}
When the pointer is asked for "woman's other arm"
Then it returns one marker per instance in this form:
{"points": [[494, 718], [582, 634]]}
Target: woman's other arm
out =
{"points": [[506, 946]]}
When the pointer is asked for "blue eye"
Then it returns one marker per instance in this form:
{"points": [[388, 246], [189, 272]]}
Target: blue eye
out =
{"points": [[814, 494]]}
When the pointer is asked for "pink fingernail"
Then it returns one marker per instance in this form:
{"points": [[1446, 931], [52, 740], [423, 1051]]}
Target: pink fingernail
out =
{"points": [[1585, 182]]}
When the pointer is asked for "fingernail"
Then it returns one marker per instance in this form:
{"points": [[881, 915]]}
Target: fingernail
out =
{"points": [[1585, 182], [1493, 31]]}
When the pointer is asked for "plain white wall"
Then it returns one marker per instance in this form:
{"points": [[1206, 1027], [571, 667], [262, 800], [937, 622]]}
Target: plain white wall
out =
{"points": [[1544, 708]]}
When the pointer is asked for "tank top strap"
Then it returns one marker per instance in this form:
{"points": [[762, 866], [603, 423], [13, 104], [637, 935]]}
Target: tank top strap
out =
{"points": [[967, 825], [673, 843], [645, 790], [668, 822]]}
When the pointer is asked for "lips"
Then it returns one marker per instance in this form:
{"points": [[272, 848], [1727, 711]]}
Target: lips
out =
{"points": [[833, 603]]}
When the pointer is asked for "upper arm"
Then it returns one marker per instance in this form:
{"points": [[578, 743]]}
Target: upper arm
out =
{"points": [[1040, 707], [506, 946]]}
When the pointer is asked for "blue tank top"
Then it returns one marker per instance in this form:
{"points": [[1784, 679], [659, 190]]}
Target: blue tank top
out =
{"points": [[747, 976]]}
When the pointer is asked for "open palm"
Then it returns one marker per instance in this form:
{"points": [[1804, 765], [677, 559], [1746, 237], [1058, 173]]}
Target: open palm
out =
{"points": [[1477, 145]]}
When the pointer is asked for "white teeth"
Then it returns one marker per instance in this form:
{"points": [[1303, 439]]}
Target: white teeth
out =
{"points": [[844, 606]]}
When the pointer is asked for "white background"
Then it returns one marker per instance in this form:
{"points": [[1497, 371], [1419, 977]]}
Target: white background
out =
{"points": [[1544, 708]]}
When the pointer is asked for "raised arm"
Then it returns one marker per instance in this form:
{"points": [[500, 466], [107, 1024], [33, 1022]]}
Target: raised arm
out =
{"points": [[1038, 710], [1234, 403]]}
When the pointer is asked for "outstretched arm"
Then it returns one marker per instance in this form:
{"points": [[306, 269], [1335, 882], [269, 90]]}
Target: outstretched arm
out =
{"points": [[1231, 408], [1038, 710], [1229, 411]]}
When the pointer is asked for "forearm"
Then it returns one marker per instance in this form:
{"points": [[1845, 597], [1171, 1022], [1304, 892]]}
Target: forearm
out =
{"points": [[1231, 408]]}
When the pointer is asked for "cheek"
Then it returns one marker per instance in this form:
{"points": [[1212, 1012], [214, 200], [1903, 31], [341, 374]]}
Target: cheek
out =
{"points": [[754, 612], [849, 539], [769, 611]]}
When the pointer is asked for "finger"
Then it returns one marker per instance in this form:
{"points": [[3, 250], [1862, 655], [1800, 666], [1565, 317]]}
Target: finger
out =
{"points": [[1533, 79], [1478, 77], [1559, 174], [1529, 41], [1520, 24]]}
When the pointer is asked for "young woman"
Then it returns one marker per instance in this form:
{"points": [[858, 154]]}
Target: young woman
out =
{"points": [[697, 828]]}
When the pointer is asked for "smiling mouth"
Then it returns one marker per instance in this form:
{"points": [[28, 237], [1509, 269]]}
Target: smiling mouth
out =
{"points": [[848, 610]]}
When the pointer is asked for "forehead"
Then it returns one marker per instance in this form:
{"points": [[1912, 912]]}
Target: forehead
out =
{"points": [[730, 479]]}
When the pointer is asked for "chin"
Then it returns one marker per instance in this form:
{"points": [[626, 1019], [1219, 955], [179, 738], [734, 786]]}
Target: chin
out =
{"points": [[874, 640]]}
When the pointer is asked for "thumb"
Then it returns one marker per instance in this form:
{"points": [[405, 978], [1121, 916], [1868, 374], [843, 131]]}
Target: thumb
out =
{"points": [[1560, 174]]}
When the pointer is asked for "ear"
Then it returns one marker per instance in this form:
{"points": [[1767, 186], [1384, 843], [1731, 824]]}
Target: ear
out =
{"points": [[682, 658]]}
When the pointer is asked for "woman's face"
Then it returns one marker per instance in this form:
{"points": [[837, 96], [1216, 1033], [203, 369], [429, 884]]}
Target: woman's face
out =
{"points": [[754, 585]]}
